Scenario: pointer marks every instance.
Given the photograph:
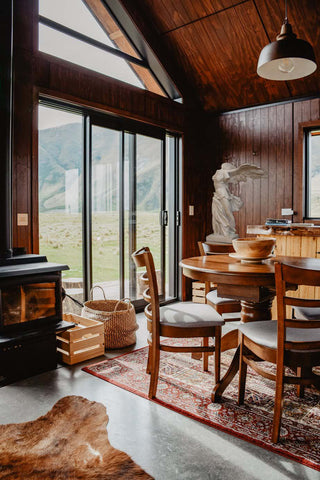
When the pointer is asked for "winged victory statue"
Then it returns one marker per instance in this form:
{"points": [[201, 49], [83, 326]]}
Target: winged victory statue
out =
{"points": [[224, 203]]}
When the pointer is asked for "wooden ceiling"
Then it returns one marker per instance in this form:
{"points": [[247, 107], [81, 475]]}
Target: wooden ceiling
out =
{"points": [[211, 47]]}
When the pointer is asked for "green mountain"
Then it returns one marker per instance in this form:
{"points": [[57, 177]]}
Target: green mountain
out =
{"points": [[60, 169]]}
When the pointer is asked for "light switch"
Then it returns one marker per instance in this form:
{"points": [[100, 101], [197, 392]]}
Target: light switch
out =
{"points": [[286, 211], [191, 210], [22, 219]]}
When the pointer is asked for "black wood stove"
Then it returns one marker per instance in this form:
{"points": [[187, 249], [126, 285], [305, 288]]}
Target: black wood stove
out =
{"points": [[30, 315]]}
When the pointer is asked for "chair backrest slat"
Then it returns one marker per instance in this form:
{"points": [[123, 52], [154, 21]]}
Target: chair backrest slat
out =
{"points": [[294, 323], [302, 345], [301, 302], [286, 276]]}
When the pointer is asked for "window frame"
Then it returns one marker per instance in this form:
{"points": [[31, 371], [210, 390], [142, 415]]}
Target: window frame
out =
{"points": [[307, 186], [299, 173]]}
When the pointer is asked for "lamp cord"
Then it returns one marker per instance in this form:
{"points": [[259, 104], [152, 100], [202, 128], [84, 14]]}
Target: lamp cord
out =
{"points": [[285, 11]]}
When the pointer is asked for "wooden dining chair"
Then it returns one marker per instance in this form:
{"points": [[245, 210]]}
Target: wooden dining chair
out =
{"points": [[220, 304], [286, 342], [179, 320]]}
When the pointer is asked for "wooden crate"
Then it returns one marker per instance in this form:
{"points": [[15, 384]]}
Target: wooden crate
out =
{"points": [[198, 292], [82, 342]]}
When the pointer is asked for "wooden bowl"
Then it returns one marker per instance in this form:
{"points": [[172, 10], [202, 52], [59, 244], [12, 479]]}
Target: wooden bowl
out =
{"points": [[253, 247]]}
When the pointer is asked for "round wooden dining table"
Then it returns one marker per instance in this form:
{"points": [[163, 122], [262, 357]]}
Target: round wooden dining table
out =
{"points": [[252, 284]]}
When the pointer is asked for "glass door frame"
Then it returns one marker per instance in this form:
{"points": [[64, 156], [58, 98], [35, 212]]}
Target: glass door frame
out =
{"points": [[127, 126]]}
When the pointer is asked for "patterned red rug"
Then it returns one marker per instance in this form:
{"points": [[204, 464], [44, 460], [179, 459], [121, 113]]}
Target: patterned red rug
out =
{"points": [[185, 388]]}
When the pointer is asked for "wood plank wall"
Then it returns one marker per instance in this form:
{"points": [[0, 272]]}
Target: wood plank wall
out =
{"points": [[267, 137], [198, 160]]}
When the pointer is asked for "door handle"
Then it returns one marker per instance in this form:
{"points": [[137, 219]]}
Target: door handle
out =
{"points": [[164, 218]]}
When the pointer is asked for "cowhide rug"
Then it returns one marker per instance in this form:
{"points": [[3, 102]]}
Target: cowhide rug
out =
{"points": [[68, 443]]}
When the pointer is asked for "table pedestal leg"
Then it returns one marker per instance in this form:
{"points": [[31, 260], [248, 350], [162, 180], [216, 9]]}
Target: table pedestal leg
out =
{"points": [[233, 369], [255, 312]]}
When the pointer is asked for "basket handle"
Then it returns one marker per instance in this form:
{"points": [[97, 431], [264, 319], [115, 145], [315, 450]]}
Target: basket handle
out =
{"points": [[126, 300], [97, 286]]}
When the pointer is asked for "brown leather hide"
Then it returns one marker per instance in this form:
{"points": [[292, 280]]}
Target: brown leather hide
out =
{"points": [[69, 442]]}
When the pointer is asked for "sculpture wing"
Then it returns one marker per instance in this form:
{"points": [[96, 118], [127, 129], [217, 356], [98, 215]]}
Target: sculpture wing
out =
{"points": [[244, 172]]}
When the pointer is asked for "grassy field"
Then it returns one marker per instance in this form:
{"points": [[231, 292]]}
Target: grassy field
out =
{"points": [[61, 241]]}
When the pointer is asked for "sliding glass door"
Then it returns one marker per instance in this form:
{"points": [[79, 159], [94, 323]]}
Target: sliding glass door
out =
{"points": [[60, 176], [121, 196], [143, 206], [105, 209]]}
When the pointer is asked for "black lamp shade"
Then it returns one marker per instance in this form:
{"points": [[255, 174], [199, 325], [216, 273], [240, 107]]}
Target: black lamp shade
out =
{"points": [[298, 52]]}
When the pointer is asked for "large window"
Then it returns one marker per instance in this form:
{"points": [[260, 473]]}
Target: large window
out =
{"points": [[313, 173], [107, 186], [86, 34]]}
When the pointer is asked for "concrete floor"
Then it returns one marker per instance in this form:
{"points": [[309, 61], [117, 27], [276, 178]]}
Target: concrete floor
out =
{"points": [[167, 445]]}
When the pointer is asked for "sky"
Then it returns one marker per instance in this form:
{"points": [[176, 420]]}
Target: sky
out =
{"points": [[74, 14]]}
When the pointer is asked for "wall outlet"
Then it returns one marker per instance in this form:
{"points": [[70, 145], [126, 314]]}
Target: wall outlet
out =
{"points": [[22, 219], [286, 211], [191, 210]]}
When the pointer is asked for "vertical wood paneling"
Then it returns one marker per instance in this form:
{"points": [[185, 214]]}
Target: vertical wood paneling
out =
{"points": [[272, 172], [198, 168], [314, 109], [22, 174], [288, 161], [264, 162], [242, 159], [256, 159], [279, 165], [247, 186]]}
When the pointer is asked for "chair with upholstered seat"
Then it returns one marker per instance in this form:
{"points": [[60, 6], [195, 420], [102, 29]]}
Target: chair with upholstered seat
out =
{"points": [[220, 304], [180, 320], [293, 343]]}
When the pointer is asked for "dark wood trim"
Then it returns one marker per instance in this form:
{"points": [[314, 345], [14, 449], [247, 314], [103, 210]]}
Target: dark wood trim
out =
{"points": [[62, 80], [299, 170], [120, 40], [268, 104], [34, 221], [91, 41]]}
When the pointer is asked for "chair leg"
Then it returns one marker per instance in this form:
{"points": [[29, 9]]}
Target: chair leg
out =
{"points": [[300, 388], [205, 355], [278, 402], [242, 372], [217, 353], [155, 360], [148, 370]]}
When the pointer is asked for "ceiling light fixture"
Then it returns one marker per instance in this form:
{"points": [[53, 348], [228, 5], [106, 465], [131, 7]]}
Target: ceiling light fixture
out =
{"points": [[288, 58]]}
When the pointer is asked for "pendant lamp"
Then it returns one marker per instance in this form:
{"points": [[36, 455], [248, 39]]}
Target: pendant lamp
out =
{"points": [[288, 58]]}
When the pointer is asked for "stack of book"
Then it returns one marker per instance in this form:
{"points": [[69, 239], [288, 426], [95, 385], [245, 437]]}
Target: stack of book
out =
{"points": [[277, 222]]}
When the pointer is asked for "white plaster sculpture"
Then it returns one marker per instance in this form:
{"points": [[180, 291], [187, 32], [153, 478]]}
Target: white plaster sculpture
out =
{"points": [[224, 203]]}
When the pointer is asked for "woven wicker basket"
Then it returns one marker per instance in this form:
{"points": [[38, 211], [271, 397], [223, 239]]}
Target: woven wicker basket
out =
{"points": [[119, 320]]}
